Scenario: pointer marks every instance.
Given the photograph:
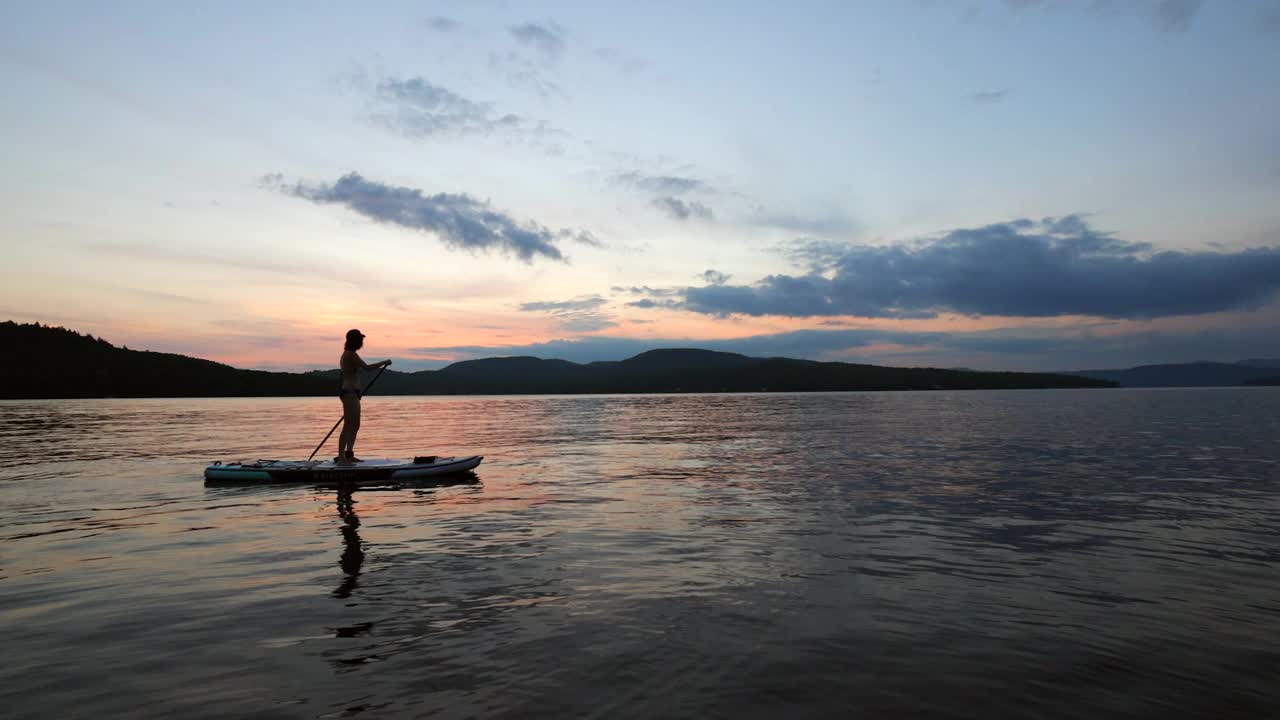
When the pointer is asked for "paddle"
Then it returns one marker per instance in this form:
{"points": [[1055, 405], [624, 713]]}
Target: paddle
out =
{"points": [[344, 417]]}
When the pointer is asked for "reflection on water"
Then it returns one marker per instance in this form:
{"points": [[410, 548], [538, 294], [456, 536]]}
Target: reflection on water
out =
{"points": [[995, 554], [352, 545]]}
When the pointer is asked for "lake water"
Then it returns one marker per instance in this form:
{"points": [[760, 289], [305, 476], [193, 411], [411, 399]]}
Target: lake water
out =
{"points": [[1031, 554]]}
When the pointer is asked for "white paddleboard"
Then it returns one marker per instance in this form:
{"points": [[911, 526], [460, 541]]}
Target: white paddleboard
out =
{"points": [[326, 471]]}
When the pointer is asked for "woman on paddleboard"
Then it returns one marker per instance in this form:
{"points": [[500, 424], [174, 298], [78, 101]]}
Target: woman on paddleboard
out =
{"points": [[351, 365]]}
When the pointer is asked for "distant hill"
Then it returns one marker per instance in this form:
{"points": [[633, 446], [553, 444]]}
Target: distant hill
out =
{"points": [[49, 362], [689, 370], [1273, 363], [1270, 380], [53, 362], [1197, 374]]}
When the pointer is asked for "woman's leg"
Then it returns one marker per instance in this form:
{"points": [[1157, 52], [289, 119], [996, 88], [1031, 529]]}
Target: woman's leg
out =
{"points": [[355, 428], [350, 425]]}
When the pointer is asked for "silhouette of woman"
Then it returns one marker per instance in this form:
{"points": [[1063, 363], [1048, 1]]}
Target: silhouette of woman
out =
{"points": [[349, 394]]}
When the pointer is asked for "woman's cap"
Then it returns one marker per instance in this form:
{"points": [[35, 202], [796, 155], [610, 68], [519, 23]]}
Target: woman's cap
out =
{"points": [[352, 334]]}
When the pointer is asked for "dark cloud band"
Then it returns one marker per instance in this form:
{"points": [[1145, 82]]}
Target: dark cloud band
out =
{"points": [[1023, 268], [460, 221]]}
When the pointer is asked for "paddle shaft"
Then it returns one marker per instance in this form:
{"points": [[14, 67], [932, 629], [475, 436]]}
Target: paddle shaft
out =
{"points": [[344, 416]]}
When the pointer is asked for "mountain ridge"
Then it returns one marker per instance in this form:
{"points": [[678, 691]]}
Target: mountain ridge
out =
{"points": [[1194, 374], [75, 365]]}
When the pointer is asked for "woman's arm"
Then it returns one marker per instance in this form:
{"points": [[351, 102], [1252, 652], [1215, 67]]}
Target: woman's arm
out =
{"points": [[360, 363], [376, 365]]}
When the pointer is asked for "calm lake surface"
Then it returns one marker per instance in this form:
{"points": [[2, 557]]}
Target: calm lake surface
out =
{"points": [[1033, 554]]}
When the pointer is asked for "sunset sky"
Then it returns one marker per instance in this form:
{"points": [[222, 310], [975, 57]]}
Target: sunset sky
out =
{"points": [[1015, 184]]}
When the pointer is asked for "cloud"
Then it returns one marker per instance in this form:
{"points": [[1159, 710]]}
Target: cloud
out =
{"points": [[806, 296], [578, 315], [442, 24], [460, 221], [1175, 15], [666, 190], [650, 304], [587, 303], [682, 209], [714, 277], [670, 185], [547, 40], [646, 290], [669, 298], [522, 74], [1024, 268], [1079, 348], [533, 72], [991, 96], [656, 297], [587, 324], [820, 343], [619, 62], [1164, 15], [813, 254], [418, 108], [582, 237], [831, 224]]}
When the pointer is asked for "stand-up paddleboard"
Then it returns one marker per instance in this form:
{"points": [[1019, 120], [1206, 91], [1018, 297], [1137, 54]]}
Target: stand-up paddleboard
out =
{"points": [[326, 471]]}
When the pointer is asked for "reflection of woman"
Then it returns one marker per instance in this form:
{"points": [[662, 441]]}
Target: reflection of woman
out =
{"points": [[352, 546], [351, 365]]}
